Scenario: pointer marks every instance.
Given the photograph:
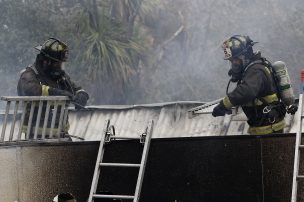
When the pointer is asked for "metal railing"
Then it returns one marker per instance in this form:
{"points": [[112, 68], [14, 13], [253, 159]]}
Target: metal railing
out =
{"points": [[34, 117]]}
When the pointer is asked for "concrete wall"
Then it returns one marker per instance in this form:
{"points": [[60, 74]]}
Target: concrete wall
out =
{"points": [[213, 169], [37, 172]]}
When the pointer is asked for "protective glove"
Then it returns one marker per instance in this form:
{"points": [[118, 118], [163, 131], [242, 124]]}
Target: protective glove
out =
{"points": [[292, 109], [220, 110], [59, 92], [81, 99]]}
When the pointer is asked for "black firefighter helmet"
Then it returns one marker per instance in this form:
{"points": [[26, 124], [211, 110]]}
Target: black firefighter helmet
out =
{"points": [[237, 46], [54, 49], [64, 197]]}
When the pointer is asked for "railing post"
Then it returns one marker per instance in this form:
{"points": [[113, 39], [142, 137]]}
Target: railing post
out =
{"points": [[54, 114], [5, 120], [22, 120], [29, 124], [14, 121], [61, 119], [38, 119]]}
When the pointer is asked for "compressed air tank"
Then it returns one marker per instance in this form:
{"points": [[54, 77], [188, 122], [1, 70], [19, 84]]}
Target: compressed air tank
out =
{"points": [[283, 82]]}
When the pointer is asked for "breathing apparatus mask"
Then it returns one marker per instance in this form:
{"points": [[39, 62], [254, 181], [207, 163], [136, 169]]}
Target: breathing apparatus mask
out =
{"points": [[238, 65], [55, 70], [51, 68], [235, 72]]}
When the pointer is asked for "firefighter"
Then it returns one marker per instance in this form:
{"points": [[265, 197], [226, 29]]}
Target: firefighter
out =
{"points": [[256, 90], [46, 77], [64, 197]]}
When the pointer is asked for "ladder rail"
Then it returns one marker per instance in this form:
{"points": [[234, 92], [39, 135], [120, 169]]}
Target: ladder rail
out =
{"points": [[143, 162], [108, 136], [297, 152], [99, 157]]}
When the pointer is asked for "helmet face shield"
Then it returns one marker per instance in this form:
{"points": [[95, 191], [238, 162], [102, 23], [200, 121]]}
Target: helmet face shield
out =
{"points": [[237, 46], [227, 51]]}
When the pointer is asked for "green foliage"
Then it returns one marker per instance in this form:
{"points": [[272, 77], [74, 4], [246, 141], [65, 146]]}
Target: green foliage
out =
{"points": [[103, 47], [103, 51]]}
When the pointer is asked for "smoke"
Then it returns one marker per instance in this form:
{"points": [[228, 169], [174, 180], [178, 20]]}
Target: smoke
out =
{"points": [[192, 66], [187, 37]]}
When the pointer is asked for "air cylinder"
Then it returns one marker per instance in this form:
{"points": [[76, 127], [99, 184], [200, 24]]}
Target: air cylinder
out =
{"points": [[284, 84]]}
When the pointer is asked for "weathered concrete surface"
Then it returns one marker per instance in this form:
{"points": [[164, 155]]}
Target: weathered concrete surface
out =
{"points": [[37, 172], [213, 169]]}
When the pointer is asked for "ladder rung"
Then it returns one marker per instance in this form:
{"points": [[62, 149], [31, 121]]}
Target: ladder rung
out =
{"points": [[301, 146], [120, 165], [124, 138], [300, 177], [113, 196]]}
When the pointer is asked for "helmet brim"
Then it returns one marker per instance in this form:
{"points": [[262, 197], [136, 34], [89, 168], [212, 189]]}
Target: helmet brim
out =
{"points": [[38, 48]]}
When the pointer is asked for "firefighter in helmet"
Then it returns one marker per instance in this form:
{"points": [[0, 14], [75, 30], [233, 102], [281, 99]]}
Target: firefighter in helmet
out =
{"points": [[256, 90], [46, 77], [64, 197]]}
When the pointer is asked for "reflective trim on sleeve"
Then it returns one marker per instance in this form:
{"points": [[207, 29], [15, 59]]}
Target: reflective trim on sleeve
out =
{"points": [[269, 99], [45, 90], [81, 90], [267, 70], [263, 130], [227, 103]]}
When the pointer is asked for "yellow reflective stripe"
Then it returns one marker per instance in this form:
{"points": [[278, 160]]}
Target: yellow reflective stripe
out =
{"points": [[47, 130], [45, 90], [267, 70], [263, 130], [269, 99], [227, 103]]}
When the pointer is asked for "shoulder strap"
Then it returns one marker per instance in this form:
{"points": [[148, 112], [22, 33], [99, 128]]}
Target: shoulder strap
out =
{"points": [[262, 61], [268, 65], [33, 67]]}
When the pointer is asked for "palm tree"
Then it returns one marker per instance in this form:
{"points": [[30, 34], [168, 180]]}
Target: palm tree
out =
{"points": [[108, 54]]}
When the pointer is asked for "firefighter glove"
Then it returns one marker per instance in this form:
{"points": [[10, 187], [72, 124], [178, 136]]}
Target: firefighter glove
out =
{"points": [[220, 110], [292, 109], [59, 92], [81, 98]]}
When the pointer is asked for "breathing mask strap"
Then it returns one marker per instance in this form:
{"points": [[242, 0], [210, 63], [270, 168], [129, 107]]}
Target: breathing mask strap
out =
{"points": [[227, 88]]}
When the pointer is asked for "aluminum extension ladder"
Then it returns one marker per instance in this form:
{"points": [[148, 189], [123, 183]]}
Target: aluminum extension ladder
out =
{"points": [[109, 135], [298, 147]]}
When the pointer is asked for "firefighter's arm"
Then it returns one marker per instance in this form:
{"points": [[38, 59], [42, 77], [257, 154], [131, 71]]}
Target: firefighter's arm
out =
{"points": [[251, 86], [81, 96]]}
